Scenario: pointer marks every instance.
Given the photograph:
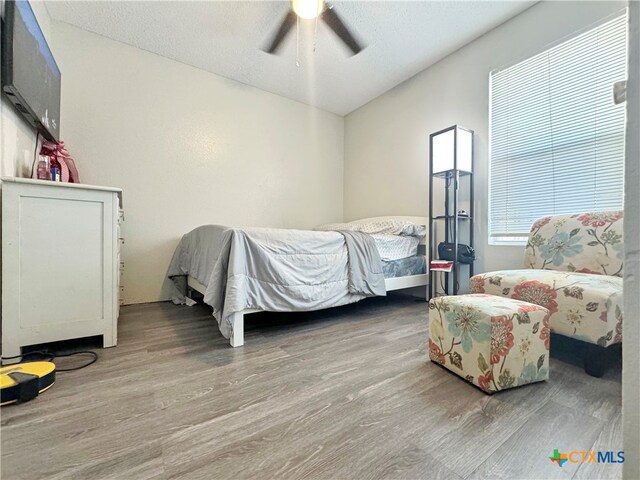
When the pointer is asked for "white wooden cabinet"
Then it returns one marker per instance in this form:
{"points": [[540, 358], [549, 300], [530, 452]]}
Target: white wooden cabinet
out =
{"points": [[60, 262]]}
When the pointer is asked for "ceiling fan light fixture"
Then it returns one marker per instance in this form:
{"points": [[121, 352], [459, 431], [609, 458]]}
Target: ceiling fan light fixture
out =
{"points": [[318, 10], [307, 9]]}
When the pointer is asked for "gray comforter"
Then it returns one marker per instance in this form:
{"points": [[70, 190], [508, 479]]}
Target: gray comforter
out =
{"points": [[276, 270]]}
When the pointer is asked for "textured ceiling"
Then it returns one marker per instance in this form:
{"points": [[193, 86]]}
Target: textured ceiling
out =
{"points": [[226, 38]]}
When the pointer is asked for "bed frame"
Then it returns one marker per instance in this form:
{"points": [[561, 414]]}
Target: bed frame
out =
{"points": [[391, 284]]}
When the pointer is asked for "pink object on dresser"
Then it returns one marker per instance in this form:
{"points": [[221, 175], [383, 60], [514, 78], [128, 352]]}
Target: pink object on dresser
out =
{"points": [[59, 152]]}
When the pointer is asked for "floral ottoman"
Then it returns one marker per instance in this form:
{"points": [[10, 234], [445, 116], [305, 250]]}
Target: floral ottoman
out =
{"points": [[493, 342], [573, 267]]}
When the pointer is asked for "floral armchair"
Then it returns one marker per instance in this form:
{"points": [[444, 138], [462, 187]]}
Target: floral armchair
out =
{"points": [[574, 269]]}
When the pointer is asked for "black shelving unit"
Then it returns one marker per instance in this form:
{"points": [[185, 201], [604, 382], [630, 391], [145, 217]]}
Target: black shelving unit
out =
{"points": [[449, 225]]}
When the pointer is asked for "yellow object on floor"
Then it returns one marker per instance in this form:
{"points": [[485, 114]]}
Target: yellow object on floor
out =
{"points": [[24, 381]]}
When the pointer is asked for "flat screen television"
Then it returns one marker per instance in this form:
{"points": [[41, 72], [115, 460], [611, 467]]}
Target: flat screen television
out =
{"points": [[30, 75]]}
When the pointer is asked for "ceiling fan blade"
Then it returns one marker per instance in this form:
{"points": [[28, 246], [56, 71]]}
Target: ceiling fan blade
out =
{"points": [[287, 23], [335, 23]]}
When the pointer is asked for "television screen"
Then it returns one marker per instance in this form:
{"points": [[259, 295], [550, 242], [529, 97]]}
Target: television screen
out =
{"points": [[30, 75]]}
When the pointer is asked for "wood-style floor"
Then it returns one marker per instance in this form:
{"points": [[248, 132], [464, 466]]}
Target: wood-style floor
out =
{"points": [[346, 393]]}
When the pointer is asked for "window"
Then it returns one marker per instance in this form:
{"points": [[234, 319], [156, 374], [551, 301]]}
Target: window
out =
{"points": [[557, 138]]}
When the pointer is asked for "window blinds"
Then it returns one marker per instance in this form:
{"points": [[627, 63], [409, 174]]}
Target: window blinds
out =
{"points": [[557, 138]]}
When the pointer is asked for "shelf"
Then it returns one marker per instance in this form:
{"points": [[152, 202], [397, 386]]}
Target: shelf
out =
{"points": [[451, 173], [449, 268], [447, 217], [451, 161]]}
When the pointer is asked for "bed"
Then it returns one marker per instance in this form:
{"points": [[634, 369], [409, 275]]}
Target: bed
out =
{"points": [[240, 271]]}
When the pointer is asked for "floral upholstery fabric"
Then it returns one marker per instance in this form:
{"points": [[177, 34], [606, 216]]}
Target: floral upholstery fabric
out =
{"points": [[574, 268], [584, 243], [493, 342], [583, 306]]}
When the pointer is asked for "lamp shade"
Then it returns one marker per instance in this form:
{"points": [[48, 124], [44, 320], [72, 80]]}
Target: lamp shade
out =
{"points": [[451, 149]]}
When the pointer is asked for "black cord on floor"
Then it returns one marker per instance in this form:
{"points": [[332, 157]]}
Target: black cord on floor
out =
{"points": [[48, 357], [35, 155]]}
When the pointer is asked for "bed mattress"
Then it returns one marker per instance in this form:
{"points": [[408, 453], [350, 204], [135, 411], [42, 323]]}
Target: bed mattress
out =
{"points": [[396, 247], [415, 265]]}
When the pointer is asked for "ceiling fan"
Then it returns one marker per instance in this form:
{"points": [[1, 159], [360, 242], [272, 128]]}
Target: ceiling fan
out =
{"points": [[313, 9]]}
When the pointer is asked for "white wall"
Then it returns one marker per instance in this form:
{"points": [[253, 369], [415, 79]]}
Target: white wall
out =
{"points": [[631, 359], [177, 138], [17, 138], [386, 141], [190, 148]]}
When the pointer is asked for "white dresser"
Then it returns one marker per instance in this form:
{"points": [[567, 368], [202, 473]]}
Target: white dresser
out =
{"points": [[60, 262]]}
